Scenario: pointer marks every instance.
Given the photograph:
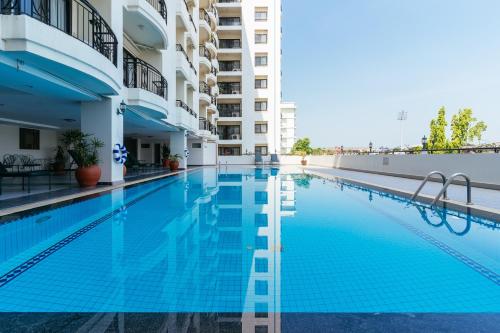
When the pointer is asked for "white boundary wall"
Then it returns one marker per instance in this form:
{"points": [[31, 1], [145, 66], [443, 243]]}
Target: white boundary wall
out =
{"points": [[483, 169]]}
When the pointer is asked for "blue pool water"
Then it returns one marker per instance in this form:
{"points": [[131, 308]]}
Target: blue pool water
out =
{"points": [[248, 240]]}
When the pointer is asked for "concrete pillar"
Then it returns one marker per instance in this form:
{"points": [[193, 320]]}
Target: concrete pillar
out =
{"points": [[178, 145], [100, 119]]}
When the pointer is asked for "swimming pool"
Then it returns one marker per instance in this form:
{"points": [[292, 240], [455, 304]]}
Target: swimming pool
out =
{"points": [[248, 240]]}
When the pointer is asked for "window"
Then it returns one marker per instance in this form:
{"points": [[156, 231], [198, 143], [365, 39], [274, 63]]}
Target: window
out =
{"points": [[261, 220], [29, 139], [261, 128], [145, 145], [260, 83], [261, 265], [262, 150], [261, 287], [261, 37], [260, 14], [260, 105], [261, 60], [196, 145], [261, 329]]}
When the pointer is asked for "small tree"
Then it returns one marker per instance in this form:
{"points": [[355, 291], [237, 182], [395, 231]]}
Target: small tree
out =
{"points": [[437, 136], [465, 128], [302, 147]]}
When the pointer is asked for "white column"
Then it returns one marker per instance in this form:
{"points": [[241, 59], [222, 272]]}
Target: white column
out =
{"points": [[178, 145], [101, 120]]}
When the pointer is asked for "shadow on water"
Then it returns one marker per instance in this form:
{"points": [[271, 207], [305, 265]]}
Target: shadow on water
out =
{"points": [[247, 322]]}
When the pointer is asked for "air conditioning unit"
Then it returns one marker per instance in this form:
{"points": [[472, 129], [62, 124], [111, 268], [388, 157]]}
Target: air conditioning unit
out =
{"points": [[235, 136], [235, 92], [236, 69], [235, 114]]}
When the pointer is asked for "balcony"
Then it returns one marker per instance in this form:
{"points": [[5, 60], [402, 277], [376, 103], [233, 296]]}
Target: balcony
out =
{"points": [[185, 19], [207, 128], [229, 110], [205, 57], [229, 3], [212, 107], [230, 88], [205, 93], [206, 23], [229, 21], [47, 39], [212, 76], [229, 46], [184, 65], [186, 117], [145, 22], [229, 132], [147, 87]]}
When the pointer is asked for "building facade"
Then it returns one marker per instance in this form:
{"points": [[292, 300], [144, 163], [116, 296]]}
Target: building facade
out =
{"points": [[249, 79], [288, 126], [200, 76]]}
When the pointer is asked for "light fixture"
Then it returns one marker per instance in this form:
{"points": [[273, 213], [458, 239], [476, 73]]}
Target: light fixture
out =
{"points": [[121, 110], [424, 142]]}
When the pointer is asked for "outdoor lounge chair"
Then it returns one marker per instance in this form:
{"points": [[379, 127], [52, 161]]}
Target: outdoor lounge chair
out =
{"points": [[274, 159], [25, 175], [258, 159]]}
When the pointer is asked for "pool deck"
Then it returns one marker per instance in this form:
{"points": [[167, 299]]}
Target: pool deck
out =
{"points": [[59, 196], [485, 200]]}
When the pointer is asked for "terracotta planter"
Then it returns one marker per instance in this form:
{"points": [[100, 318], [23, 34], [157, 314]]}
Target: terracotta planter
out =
{"points": [[304, 162], [89, 176], [165, 163], [124, 170], [174, 165]]}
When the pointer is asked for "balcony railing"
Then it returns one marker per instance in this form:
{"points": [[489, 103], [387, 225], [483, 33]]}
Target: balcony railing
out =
{"points": [[230, 66], [229, 21], [213, 70], [190, 16], [229, 132], [186, 107], [77, 18], [213, 40], [205, 125], [213, 10], [230, 44], [214, 100], [139, 74], [229, 110], [204, 52], [179, 48], [160, 6], [231, 88], [229, 1], [205, 17], [204, 88]]}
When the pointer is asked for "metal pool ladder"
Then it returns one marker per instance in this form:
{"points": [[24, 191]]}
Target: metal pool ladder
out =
{"points": [[426, 179], [448, 183]]}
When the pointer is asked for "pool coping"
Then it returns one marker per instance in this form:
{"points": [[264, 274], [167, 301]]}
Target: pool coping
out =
{"points": [[477, 210], [90, 193]]}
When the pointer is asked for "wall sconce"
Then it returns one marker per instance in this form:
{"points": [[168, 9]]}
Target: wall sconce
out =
{"points": [[121, 109]]}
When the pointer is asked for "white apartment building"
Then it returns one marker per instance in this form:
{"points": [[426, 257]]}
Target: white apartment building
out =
{"points": [[288, 126], [249, 79], [127, 71]]}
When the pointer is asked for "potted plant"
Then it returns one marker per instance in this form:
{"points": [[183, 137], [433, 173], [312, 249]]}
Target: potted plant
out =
{"points": [[303, 154], [165, 154], [174, 162], [59, 161], [84, 149]]}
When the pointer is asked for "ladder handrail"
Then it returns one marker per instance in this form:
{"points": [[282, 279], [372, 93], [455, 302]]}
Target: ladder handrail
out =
{"points": [[426, 179], [448, 183]]}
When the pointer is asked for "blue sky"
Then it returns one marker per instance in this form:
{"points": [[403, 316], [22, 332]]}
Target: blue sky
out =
{"points": [[352, 65]]}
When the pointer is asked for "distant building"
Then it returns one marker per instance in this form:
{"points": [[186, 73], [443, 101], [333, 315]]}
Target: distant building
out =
{"points": [[288, 126]]}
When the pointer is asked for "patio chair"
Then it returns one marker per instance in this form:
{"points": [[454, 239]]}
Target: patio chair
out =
{"points": [[9, 160], [274, 159], [4, 173], [258, 159]]}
